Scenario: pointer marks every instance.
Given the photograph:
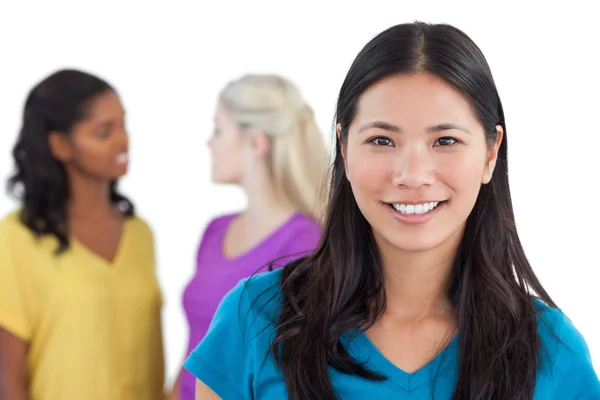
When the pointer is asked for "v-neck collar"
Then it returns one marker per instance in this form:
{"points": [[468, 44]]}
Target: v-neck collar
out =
{"points": [[98, 258], [362, 348]]}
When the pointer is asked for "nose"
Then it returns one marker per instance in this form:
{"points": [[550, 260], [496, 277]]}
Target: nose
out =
{"points": [[413, 168], [122, 140]]}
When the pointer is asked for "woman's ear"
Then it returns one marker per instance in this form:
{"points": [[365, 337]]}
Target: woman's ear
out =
{"points": [[260, 143], [492, 156], [338, 129], [60, 146], [343, 147]]}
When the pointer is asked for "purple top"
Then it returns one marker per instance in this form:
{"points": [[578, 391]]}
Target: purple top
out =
{"points": [[217, 274]]}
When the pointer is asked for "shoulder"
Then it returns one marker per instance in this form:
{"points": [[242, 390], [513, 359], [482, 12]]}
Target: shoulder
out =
{"points": [[303, 232], [557, 331], [247, 312], [565, 354], [243, 326], [139, 223], [245, 316], [11, 221], [10, 226], [221, 220], [297, 239], [262, 286], [140, 228], [13, 229], [214, 229], [257, 296], [304, 223], [218, 223]]}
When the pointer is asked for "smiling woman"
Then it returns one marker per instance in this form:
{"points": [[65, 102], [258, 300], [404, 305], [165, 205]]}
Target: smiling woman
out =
{"points": [[79, 300], [419, 288], [409, 148]]}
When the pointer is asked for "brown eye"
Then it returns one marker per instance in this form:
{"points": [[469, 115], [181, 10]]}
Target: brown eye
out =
{"points": [[381, 141], [103, 133], [445, 141]]}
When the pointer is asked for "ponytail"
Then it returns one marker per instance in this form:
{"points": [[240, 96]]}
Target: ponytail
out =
{"points": [[299, 162], [274, 105]]}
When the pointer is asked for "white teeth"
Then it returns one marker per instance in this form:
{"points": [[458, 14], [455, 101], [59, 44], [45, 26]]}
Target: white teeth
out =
{"points": [[416, 208], [121, 158]]}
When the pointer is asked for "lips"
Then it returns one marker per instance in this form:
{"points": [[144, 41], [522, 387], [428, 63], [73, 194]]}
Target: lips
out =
{"points": [[122, 158], [415, 213], [419, 208]]}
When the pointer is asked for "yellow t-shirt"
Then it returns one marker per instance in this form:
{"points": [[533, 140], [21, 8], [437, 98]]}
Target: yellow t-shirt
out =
{"points": [[93, 327]]}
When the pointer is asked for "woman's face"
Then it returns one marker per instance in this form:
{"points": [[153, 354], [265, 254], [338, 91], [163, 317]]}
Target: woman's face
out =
{"points": [[416, 157], [227, 149], [97, 146]]}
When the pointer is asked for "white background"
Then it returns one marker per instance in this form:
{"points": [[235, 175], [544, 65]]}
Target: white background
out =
{"points": [[168, 63]]}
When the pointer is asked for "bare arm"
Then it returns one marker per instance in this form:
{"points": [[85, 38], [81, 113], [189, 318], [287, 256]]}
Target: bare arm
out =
{"points": [[174, 393], [203, 392], [13, 367]]}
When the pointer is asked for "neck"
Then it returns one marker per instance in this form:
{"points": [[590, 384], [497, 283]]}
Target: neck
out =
{"points": [[88, 197], [263, 200], [416, 283]]}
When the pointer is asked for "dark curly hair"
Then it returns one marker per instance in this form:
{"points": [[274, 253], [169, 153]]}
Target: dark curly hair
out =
{"points": [[40, 182]]}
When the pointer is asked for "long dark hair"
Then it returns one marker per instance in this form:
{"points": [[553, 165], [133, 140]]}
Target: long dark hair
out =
{"points": [[340, 288], [55, 104]]}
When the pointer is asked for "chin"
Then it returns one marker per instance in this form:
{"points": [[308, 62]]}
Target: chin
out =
{"points": [[118, 174], [415, 244], [421, 238], [216, 178], [223, 180]]}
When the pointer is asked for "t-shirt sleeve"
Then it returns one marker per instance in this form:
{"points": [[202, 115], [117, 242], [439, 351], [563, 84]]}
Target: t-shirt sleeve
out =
{"points": [[574, 371], [222, 361], [15, 300]]}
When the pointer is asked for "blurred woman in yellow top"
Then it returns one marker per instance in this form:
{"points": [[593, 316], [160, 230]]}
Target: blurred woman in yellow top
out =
{"points": [[79, 300]]}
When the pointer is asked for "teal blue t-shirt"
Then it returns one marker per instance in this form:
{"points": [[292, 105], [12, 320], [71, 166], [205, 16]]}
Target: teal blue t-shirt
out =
{"points": [[233, 358]]}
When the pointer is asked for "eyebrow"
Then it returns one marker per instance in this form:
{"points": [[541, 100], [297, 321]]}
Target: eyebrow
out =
{"points": [[104, 122], [393, 128], [380, 125], [108, 121], [446, 127]]}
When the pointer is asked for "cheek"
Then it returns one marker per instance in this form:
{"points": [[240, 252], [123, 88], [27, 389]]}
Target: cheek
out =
{"points": [[94, 155], [462, 173], [223, 149], [215, 150], [369, 174], [227, 156]]}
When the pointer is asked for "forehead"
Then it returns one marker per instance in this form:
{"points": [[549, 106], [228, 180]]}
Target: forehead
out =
{"points": [[223, 115], [105, 105], [414, 100]]}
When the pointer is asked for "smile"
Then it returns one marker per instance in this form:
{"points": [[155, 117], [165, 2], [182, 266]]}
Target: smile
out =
{"points": [[415, 213], [122, 158], [408, 209]]}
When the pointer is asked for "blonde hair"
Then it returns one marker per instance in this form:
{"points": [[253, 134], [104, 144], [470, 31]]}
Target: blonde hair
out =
{"points": [[273, 105]]}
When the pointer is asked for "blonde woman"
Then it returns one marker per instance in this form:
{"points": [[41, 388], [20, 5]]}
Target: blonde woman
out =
{"points": [[267, 141]]}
